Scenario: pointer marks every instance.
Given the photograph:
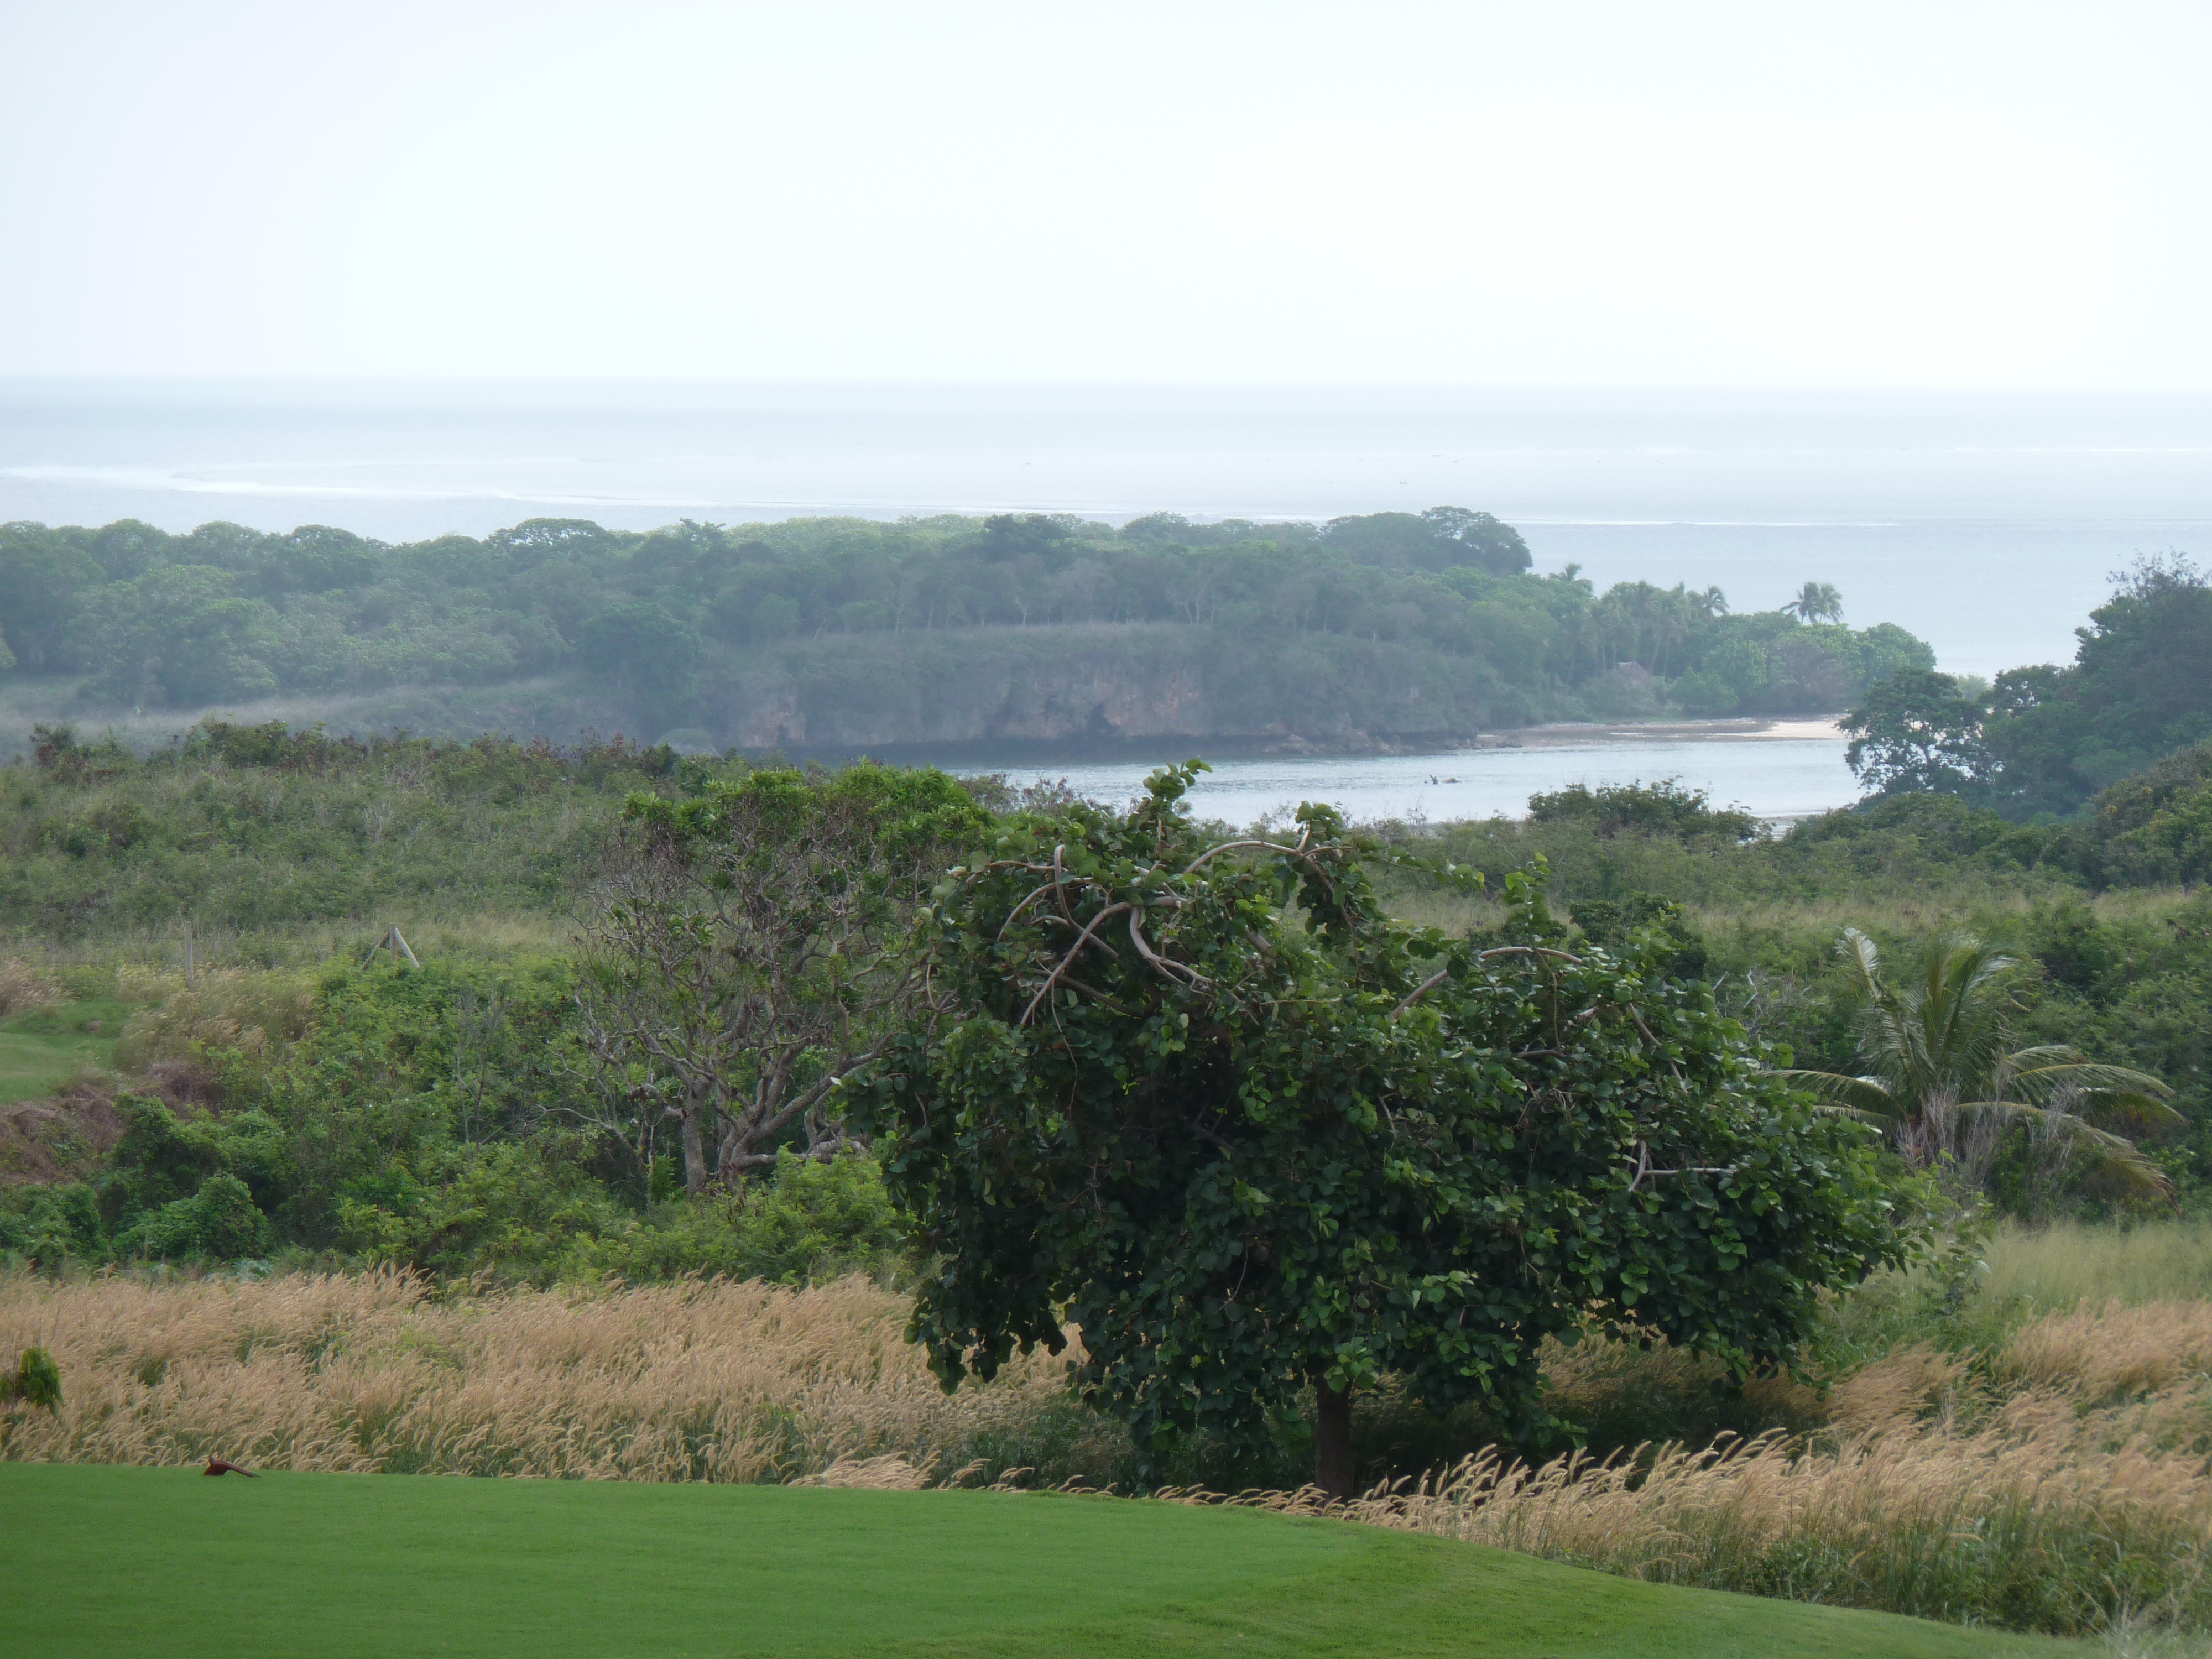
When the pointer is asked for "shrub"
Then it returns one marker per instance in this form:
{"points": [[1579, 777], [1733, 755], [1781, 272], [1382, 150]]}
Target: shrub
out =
{"points": [[226, 1011], [23, 989], [810, 1221], [48, 1226], [219, 1222], [1667, 807]]}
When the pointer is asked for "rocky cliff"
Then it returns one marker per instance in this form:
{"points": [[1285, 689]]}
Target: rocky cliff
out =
{"points": [[1096, 688]]}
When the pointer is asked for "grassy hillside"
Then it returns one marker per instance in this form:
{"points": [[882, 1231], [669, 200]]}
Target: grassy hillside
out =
{"points": [[261, 830], [133, 1561], [42, 1048]]}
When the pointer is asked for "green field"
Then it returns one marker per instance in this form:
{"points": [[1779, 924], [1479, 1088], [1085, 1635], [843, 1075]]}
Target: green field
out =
{"points": [[42, 1049], [135, 1561]]}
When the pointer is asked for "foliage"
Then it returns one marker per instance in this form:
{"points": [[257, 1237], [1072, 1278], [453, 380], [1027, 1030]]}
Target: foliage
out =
{"points": [[51, 1226], [1644, 927], [840, 633], [1247, 1156], [2152, 829], [1916, 731], [219, 1221], [1945, 1075], [365, 1112], [1664, 808], [2044, 739], [1816, 602], [447, 1117], [259, 828], [36, 1381], [806, 1220], [745, 955], [2136, 690]]}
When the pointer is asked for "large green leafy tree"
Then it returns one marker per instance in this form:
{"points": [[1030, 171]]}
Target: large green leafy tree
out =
{"points": [[1914, 732], [1942, 1062], [1442, 538], [45, 581], [1210, 1104], [182, 637], [745, 950], [646, 652], [2136, 689]]}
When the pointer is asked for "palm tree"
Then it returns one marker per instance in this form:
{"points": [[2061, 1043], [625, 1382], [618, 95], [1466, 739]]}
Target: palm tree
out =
{"points": [[1817, 602], [1940, 1065]]}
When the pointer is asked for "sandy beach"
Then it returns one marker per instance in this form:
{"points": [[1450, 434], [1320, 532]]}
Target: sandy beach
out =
{"points": [[1579, 734]]}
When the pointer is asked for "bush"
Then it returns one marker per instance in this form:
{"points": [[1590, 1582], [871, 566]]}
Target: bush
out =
{"points": [[218, 1222], [49, 1226], [23, 989], [810, 1222], [1668, 808], [226, 1011]]}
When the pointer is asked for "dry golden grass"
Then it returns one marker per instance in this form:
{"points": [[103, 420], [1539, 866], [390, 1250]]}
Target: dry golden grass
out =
{"points": [[2094, 1356], [254, 1013], [718, 1382], [2059, 1484], [24, 989]]}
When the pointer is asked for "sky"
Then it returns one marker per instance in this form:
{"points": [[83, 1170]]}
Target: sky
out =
{"points": [[1850, 195]]}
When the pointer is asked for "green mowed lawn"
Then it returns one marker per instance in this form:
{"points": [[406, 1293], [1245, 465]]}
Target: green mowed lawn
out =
{"points": [[40, 1051], [98, 1561]]}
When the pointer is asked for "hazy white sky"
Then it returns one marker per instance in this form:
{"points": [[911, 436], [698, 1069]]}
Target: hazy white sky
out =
{"points": [[1856, 194]]}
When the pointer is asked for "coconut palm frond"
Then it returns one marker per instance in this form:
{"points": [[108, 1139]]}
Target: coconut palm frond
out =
{"points": [[1945, 1034], [2053, 1074], [2119, 1155], [1862, 1097], [2047, 1054], [1855, 947], [2087, 1076], [1962, 1017]]}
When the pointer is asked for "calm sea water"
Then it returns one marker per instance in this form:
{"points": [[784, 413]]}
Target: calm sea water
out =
{"points": [[1781, 779]]}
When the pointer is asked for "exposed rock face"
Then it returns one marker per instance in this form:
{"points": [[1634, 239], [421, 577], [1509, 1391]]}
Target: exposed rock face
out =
{"points": [[1101, 687], [1060, 685]]}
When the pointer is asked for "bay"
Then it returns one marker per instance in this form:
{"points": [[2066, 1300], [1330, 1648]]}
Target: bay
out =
{"points": [[1781, 776]]}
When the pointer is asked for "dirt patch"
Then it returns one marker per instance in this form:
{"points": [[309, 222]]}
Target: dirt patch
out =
{"points": [[67, 1136], [60, 1139]]}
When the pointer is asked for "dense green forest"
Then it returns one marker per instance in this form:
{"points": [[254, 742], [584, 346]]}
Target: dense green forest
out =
{"points": [[2043, 740], [835, 634]]}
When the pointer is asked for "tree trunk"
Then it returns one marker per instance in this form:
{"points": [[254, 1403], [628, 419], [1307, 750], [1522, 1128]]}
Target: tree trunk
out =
{"points": [[1332, 1440], [695, 1154]]}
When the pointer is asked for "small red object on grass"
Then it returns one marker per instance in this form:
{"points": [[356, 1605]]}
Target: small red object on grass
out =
{"points": [[216, 1466]]}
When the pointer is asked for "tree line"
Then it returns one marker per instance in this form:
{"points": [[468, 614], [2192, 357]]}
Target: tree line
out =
{"points": [[1442, 604], [2043, 740]]}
